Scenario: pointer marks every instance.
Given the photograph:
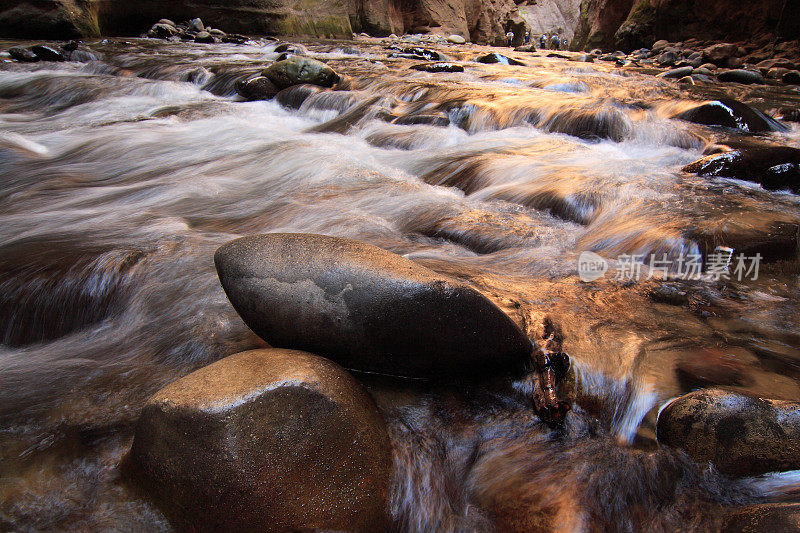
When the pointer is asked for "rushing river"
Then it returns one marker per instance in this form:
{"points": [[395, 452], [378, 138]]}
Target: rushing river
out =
{"points": [[119, 178]]}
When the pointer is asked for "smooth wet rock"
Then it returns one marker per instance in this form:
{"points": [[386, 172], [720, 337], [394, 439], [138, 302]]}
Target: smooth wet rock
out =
{"points": [[456, 39], [720, 53], [729, 113], [366, 308], [667, 59], [494, 57], [47, 53], [233, 38], [747, 77], [771, 517], [298, 70], [80, 54], [162, 31], [294, 96], [265, 440], [204, 37], [22, 55], [438, 67], [773, 167], [525, 48], [196, 25], [258, 88], [741, 435], [677, 73], [294, 49], [215, 32], [168, 22]]}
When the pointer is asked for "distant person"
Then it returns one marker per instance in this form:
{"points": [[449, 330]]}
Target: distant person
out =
{"points": [[527, 37], [555, 42], [564, 44], [509, 38], [543, 41]]}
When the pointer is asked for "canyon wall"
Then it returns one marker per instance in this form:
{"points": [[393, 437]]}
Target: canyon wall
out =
{"points": [[629, 24], [549, 16]]}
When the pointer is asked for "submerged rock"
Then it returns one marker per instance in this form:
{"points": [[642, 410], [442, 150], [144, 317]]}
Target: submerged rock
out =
{"points": [[298, 70], [430, 120], [268, 440], [292, 49], [494, 57], [438, 67], [294, 96], [728, 113], [741, 435], [366, 308], [258, 88], [773, 167]]}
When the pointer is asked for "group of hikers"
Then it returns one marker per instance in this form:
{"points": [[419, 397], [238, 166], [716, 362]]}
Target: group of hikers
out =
{"points": [[552, 42]]}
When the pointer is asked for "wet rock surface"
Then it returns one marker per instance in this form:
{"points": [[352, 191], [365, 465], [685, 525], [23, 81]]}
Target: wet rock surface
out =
{"points": [[273, 440], [366, 308], [729, 113], [773, 167], [494, 57], [741, 435], [298, 70]]}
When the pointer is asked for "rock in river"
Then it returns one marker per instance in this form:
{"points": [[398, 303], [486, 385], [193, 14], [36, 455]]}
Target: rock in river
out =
{"points": [[773, 167], [23, 55], [298, 70], [267, 440], [741, 435], [438, 67], [258, 88], [294, 96], [494, 57], [366, 308], [728, 113]]}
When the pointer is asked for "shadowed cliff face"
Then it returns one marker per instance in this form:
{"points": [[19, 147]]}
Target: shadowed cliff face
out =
{"points": [[482, 21], [630, 24]]}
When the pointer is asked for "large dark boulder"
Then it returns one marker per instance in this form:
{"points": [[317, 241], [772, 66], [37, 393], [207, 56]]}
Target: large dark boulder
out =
{"points": [[748, 77], [366, 308], [741, 435], [773, 167], [728, 113], [298, 70], [265, 440]]}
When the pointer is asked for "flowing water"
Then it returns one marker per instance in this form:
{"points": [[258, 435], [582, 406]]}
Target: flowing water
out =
{"points": [[119, 178]]}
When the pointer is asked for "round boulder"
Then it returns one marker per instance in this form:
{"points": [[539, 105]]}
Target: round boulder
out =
{"points": [[456, 39], [294, 96], [366, 308], [22, 55], [258, 88], [298, 70], [741, 435], [747, 77], [267, 440]]}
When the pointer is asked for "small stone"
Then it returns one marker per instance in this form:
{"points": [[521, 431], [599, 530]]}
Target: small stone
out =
{"points": [[747, 77], [677, 73], [456, 39], [658, 46], [196, 25], [204, 37]]}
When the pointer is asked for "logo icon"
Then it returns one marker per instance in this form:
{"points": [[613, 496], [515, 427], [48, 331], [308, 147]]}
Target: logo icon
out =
{"points": [[591, 267]]}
